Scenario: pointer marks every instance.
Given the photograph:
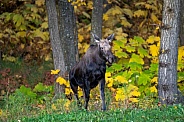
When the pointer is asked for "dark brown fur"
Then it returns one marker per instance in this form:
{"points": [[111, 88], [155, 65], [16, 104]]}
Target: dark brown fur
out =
{"points": [[90, 70]]}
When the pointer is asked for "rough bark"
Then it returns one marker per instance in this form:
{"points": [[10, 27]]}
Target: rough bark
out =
{"points": [[68, 34], [97, 17], [57, 51], [167, 76], [182, 23]]}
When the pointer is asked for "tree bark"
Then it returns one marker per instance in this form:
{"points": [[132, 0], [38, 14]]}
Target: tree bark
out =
{"points": [[167, 76], [97, 17], [182, 23], [68, 34], [58, 56]]}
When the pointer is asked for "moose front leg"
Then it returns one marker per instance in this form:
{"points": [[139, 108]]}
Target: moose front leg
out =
{"points": [[102, 94], [86, 92]]}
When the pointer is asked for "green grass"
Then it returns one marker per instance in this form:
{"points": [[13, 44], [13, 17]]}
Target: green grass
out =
{"points": [[162, 114]]}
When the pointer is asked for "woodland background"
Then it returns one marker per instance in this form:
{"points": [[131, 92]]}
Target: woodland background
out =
{"points": [[26, 65]]}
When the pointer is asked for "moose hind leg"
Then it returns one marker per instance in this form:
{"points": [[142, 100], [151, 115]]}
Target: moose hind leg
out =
{"points": [[75, 91], [102, 94]]}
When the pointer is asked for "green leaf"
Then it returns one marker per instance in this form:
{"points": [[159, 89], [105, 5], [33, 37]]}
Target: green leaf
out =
{"points": [[119, 43], [121, 54], [135, 66], [27, 92], [18, 20], [142, 52], [116, 67], [143, 79], [154, 68], [140, 40], [39, 87], [136, 58], [130, 49]]}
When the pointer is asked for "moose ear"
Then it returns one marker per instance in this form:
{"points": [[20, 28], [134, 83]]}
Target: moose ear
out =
{"points": [[110, 38], [96, 38]]}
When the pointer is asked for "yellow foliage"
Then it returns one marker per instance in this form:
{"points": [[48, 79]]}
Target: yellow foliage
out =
{"points": [[154, 18], [125, 23], [134, 100], [128, 12], [121, 79], [62, 81], [153, 89], [181, 54], [105, 17], [152, 39], [80, 37], [154, 50], [154, 80], [80, 92], [53, 106], [140, 13], [55, 72], [135, 93], [127, 93], [68, 91], [21, 34], [40, 2]]}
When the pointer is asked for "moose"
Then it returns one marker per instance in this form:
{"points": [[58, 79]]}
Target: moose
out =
{"points": [[90, 70]]}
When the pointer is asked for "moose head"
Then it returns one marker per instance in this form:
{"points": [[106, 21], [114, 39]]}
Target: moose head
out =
{"points": [[105, 47]]}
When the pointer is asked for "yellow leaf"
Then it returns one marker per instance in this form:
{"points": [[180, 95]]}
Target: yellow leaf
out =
{"points": [[181, 54], [153, 89], [135, 93], [121, 79], [68, 91], [154, 18], [128, 12], [154, 80], [134, 100], [48, 57], [40, 2], [115, 11], [105, 17], [55, 72], [140, 13], [154, 50], [80, 37], [22, 46], [21, 34], [110, 82], [125, 23], [61, 81], [107, 74], [152, 39], [53, 107], [132, 87], [80, 92], [120, 94], [44, 25]]}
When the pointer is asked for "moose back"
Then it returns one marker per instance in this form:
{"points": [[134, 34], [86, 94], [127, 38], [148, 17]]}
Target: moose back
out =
{"points": [[90, 70]]}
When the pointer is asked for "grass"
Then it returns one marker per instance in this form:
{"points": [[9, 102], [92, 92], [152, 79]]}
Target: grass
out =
{"points": [[20, 107], [162, 114]]}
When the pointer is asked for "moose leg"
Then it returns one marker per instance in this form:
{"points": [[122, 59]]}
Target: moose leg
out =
{"points": [[102, 94], [75, 91], [86, 91]]}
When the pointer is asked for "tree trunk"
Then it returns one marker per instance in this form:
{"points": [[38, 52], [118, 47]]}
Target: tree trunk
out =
{"points": [[68, 34], [167, 76], [58, 56], [182, 23], [97, 17]]}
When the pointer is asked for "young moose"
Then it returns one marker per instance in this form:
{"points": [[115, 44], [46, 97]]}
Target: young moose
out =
{"points": [[90, 70]]}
